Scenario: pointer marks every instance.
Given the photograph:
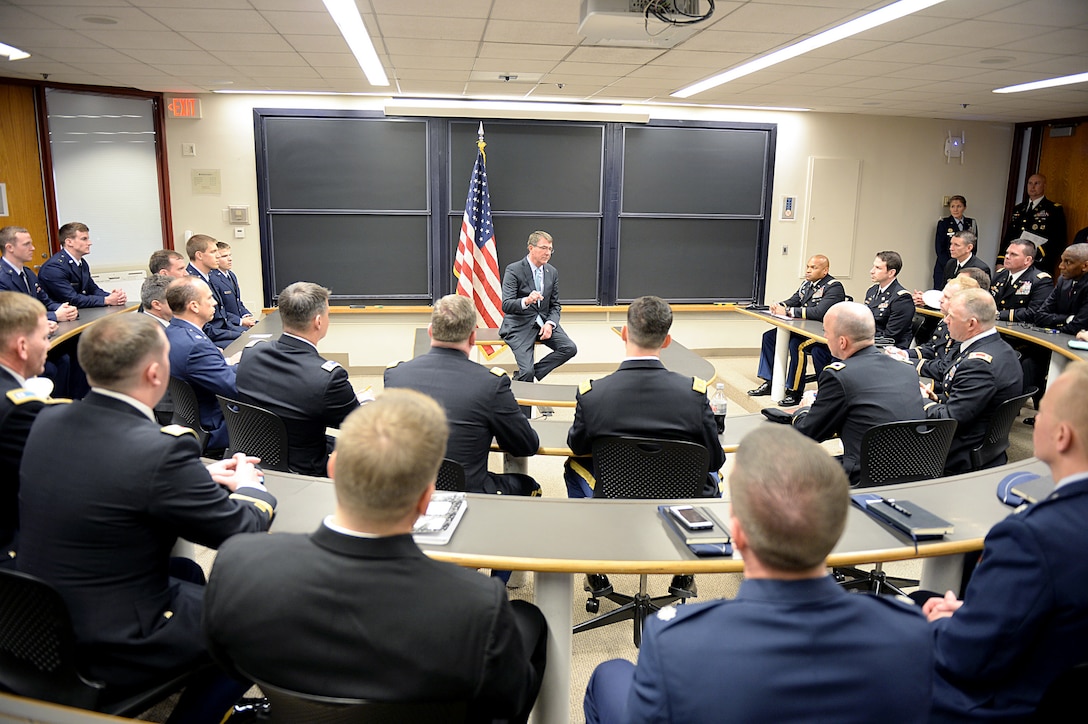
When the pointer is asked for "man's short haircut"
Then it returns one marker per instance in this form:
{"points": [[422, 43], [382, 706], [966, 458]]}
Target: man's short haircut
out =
{"points": [[957, 197], [892, 260], [154, 290], [198, 243], [979, 275], [649, 320], [222, 245], [19, 315], [300, 302], [1027, 247], [7, 236], [980, 304], [790, 496], [387, 453], [453, 319], [1074, 407], [822, 260], [958, 283], [537, 236], [160, 260], [854, 321], [69, 230], [968, 238], [113, 349], [1079, 252], [182, 291]]}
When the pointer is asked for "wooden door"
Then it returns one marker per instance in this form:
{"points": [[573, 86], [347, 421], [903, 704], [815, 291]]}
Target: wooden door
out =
{"points": [[21, 167]]}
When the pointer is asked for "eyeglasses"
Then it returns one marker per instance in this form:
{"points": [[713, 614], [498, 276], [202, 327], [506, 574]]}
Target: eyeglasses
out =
{"points": [[548, 249]]}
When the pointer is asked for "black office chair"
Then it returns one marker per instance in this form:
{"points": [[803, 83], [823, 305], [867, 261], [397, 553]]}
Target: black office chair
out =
{"points": [[37, 653], [1064, 696], [635, 467], [292, 707], [186, 408], [451, 476], [897, 452], [255, 431], [991, 452]]}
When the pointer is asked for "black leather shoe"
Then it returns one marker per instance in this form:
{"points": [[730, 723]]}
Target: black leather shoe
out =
{"points": [[1029, 421], [792, 399], [683, 585], [761, 391], [248, 710], [597, 584]]}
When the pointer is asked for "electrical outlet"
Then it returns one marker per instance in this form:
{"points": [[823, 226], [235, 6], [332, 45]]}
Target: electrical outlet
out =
{"points": [[188, 149], [785, 250], [239, 232]]}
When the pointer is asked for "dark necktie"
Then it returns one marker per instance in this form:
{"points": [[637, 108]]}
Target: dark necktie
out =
{"points": [[26, 283]]}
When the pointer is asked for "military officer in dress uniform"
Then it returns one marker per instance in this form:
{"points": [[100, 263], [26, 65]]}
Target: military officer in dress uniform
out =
{"points": [[862, 389], [66, 276], [982, 375], [946, 229], [1040, 220], [1020, 289], [962, 248], [892, 305], [932, 358], [812, 299]]}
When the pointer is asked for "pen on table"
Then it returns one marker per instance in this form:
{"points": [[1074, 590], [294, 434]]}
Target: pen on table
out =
{"points": [[890, 502]]}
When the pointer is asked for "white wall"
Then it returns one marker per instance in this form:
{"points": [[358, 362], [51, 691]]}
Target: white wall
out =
{"points": [[904, 177]]}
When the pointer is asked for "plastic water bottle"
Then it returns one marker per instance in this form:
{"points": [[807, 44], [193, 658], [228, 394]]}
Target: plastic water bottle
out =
{"points": [[719, 404]]}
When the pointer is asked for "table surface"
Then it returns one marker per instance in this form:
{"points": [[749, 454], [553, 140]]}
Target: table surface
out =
{"points": [[87, 317]]}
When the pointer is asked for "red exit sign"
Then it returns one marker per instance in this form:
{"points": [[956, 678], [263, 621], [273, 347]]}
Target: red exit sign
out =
{"points": [[180, 107]]}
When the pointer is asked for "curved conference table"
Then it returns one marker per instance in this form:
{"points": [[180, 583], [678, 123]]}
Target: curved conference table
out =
{"points": [[87, 317]]}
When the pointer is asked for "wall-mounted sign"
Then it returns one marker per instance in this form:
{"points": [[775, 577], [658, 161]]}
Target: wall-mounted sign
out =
{"points": [[183, 108]]}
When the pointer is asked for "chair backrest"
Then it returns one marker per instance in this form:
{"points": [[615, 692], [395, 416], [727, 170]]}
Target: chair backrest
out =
{"points": [[996, 441], [255, 431], [186, 408], [901, 452], [291, 707], [1064, 695], [641, 467], [451, 476], [37, 644]]}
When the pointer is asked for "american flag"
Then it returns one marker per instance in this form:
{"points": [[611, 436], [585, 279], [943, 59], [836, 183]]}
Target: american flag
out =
{"points": [[477, 264]]}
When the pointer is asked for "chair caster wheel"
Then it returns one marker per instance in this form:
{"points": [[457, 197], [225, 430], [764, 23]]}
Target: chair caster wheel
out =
{"points": [[593, 605]]}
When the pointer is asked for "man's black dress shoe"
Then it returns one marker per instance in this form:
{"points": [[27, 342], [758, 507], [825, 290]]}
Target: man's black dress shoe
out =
{"points": [[597, 584], [683, 585], [1029, 421], [248, 710], [792, 399], [761, 391]]}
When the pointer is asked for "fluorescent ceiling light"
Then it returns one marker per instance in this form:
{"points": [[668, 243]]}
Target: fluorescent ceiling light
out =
{"points": [[1050, 83], [515, 109], [346, 16], [859, 25], [13, 53]]}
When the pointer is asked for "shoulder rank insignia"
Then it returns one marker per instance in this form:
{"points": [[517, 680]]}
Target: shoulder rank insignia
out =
{"points": [[835, 366], [21, 396], [901, 292], [391, 365], [177, 430], [698, 385], [585, 387], [330, 365], [498, 371], [981, 355], [1043, 275]]}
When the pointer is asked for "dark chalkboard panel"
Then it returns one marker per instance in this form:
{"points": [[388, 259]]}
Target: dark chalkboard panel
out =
{"points": [[576, 250], [535, 167], [694, 171], [357, 256], [687, 259], [347, 163]]}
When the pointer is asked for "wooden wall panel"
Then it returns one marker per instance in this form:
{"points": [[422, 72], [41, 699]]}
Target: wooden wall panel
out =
{"points": [[1064, 162], [21, 167]]}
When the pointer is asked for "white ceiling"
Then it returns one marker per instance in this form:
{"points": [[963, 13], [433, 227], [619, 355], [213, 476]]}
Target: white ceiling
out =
{"points": [[927, 65]]}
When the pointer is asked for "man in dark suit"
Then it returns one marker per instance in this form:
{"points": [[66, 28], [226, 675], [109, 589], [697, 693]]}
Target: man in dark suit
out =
{"points": [[1021, 622], [796, 646], [433, 631], [478, 402], [642, 399], [531, 308], [203, 260], [982, 375], [289, 377], [863, 389], [24, 343], [99, 521], [1041, 221], [1019, 288], [226, 284], [891, 304], [194, 359], [962, 249], [817, 294], [67, 276]]}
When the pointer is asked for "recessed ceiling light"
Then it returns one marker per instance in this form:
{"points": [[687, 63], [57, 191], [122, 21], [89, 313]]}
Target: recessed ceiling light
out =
{"points": [[345, 13], [100, 20], [1048, 83], [12, 53]]}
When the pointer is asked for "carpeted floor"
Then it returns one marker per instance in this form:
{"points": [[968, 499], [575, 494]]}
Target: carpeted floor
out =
{"points": [[591, 648]]}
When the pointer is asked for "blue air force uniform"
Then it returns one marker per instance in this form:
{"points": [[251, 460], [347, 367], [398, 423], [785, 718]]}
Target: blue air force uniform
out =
{"points": [[70, 281]]}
